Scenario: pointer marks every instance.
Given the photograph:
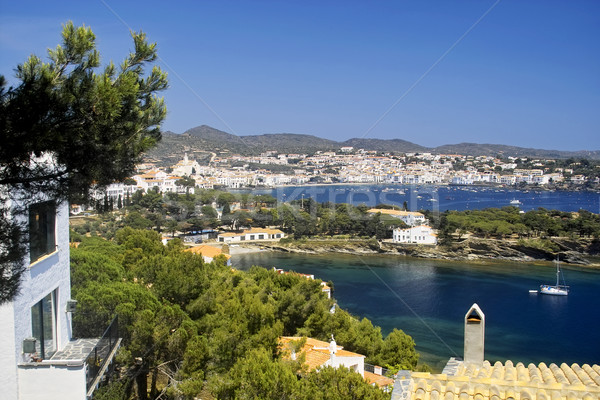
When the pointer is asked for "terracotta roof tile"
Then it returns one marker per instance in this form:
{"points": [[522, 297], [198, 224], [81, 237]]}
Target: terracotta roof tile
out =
{"points": [[506, 381], [378, 380], [207, 251]]}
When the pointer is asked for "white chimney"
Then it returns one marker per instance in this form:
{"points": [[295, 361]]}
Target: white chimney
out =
{"points": [[474, 336], [332, 351]]}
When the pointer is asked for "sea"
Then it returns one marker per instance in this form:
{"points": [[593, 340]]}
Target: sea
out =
{"points": [[428, 299], [436, 198]]}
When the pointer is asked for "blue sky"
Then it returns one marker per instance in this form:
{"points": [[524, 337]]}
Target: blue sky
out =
{"points": [[516, 72]]}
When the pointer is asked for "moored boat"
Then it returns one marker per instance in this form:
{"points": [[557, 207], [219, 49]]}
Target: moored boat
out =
{"points": [[558, 289]]}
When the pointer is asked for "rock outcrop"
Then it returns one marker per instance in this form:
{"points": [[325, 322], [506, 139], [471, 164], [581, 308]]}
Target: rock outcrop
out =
{"points": [[580, 251]]}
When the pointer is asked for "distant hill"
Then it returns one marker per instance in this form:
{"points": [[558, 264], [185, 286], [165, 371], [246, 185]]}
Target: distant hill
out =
{"points": [[397, 145], [475, 149], [199, 142], [291, 142]]}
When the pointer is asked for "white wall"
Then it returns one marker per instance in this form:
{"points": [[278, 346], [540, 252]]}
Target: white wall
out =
{"points": [[8, 370], [49, 273], [42, 382], [417, 234], [348, 362]]}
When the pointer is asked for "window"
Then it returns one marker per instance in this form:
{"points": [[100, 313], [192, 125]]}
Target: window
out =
{"points": [[41, 229], [43, 326]]}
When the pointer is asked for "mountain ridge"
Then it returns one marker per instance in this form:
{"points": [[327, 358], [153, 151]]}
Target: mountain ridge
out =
{"points": [[204, 138]]}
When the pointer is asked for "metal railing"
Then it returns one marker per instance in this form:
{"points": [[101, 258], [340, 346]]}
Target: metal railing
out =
{"points": [[374, 369], [100, 353]]}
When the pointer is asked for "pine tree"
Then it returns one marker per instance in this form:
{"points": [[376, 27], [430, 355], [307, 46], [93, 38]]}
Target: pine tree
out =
{"points": [[94, 125]]}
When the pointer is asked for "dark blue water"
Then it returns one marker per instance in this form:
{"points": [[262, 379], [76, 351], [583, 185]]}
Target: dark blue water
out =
{"points": [[437, 198], [428, 299]]}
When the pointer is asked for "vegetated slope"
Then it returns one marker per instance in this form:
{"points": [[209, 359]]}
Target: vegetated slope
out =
{"points": [[396, 145], [202, 140], [476, 149], [291, 143]]}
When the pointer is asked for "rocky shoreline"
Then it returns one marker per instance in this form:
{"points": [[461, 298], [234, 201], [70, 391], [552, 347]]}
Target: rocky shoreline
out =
{"points": [[580, 252]]}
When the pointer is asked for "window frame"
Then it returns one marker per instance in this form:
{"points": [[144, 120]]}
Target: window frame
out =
{"points": [[44, 325], [42, 229]]}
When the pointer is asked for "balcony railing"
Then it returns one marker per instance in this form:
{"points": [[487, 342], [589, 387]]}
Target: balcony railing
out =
{"points": [[374, 369], [101, 354]]}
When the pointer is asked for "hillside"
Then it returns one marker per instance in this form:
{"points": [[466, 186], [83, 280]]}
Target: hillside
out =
{"points": [[199, 142], [397, 145]]}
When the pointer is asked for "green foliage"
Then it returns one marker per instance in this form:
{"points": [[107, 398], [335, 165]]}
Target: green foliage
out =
{"points": [[307, 218], [340, 383], [97, 124], [207, 323], [258, 376], [541, 244], [397, 352], [93, 266], [508, 221]]}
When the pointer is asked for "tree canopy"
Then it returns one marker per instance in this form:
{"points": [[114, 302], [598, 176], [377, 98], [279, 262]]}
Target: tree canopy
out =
{"points": [[66, 127], [204, 326]]}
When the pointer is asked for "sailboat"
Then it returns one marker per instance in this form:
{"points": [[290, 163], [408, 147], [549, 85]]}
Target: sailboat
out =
{"points": [[558, 289]]}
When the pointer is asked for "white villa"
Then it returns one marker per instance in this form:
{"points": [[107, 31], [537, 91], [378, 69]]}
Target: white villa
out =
{"points": [[421, 234], [158, 178], [253, 234], [39, 358], [318, 354]]}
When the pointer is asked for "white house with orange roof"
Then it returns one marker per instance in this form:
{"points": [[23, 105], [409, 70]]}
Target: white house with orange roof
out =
{"points": [[156, 178], [209, 252], [422, 234], [251, 235], [318, 354]]}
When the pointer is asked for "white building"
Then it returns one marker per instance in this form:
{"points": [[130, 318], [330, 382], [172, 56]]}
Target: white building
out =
{"points": [[421, 234], [318, 354], [39, 359], [186, 167], [156, 178], [250, 235]]}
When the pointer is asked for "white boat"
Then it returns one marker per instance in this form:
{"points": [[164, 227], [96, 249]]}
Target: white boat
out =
{"points": [[558, 289], [515, 202]]}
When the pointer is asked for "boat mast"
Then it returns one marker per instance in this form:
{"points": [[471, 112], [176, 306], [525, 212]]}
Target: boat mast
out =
{"points": [[557, 271]]}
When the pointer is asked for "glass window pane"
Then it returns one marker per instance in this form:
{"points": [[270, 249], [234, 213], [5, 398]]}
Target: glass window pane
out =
{"points": [[43, 326], [41, 229]]}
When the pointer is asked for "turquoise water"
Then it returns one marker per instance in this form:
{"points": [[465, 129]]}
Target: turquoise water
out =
{"points": [[428, 299]]}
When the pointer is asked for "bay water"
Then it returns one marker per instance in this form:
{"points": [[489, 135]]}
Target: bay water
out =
{"points": [[428, 299], [436, 198]]}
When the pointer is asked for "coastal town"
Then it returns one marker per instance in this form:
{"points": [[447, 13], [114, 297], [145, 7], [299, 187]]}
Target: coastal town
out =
{"points": [[353, 166], [347, 166]]}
